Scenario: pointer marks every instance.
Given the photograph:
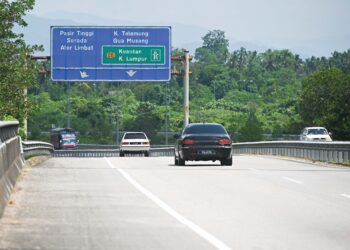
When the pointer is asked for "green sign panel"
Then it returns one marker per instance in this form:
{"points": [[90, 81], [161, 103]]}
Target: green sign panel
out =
{"points": [[133, 55]]}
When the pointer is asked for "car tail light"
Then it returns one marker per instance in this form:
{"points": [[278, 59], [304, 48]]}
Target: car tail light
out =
{"points": [[224, 141], [125, 143], [188, 142], [145, 142]]}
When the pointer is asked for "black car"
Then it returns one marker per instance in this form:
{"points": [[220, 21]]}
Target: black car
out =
{"points": [[203, 142]]}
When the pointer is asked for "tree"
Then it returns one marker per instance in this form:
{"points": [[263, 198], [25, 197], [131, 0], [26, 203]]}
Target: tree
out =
{"points": [[147, 120], [16, 71], [341, 61], [214, 49], [252, 130], [325, 102]]}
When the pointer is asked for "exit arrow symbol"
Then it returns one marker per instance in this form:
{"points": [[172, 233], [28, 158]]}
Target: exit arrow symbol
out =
{"points": [[131, 73]]}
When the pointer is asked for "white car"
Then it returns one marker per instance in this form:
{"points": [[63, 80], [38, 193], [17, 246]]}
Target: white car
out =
{"points": [[315, 134], [134, 143]]}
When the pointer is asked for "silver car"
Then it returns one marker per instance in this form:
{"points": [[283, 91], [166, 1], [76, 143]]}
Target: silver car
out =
{"points": [[315, 134]]}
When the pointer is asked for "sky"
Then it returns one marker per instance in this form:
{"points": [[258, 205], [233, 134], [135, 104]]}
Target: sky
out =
{"points": [[273, 23]]}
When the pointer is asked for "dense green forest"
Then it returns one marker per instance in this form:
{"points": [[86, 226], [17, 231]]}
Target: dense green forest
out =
{"points": [[255, 95]]}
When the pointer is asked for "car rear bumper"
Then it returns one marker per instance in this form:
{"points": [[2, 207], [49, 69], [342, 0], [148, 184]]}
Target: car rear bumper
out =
{"points": [[206, 153], [69, 146], [134, 149]]}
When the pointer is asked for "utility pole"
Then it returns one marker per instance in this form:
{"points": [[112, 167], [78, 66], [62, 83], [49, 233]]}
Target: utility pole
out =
{"points": [[187, 89], [117, 128], [118, 119], [186, 60], [26, 90]]}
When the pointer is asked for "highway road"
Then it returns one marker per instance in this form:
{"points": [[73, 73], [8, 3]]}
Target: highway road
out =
{"points": [[148, 203]]}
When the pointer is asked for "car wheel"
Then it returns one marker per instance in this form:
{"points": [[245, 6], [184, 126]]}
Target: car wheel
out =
{"points": [[121, 154], [176, 161], [146, 153], [228, 162], [181, 161]]}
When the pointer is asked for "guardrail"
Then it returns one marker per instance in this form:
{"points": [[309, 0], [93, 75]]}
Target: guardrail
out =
{"points": [[34, 148], [8, 130], [154, 152], [336, 152], [110, 146]]}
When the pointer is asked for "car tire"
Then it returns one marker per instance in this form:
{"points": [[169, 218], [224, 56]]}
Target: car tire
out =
{"points": [[176, 161], [181, 161], [226, 162], [146, 154], [121, 154]]}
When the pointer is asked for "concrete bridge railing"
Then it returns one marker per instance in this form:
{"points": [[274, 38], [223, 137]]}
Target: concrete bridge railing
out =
{"points": [[11, 160], [36, 148]]}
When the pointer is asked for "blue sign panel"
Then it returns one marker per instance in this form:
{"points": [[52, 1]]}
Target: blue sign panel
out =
{"points": [[110, 53]]}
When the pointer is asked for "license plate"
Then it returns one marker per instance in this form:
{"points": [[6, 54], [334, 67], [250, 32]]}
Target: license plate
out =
{"points": [[206, 152]]}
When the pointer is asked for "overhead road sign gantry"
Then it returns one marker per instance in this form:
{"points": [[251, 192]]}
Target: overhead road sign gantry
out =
{"points": [[131, 53]]}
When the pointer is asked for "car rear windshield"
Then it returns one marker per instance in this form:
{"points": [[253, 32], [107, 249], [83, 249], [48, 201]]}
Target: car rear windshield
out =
{"points": [[315, 131], [135, 136], [205, 129]]}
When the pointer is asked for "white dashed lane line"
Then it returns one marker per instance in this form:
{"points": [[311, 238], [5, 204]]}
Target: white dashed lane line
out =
{"points": [[345, 195], [292, 180]]}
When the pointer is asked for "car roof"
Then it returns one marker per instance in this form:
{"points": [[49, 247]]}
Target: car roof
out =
{"points": [[129, 132], [315, 128], [203, 123]]}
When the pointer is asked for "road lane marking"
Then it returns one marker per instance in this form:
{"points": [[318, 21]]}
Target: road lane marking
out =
{"points": [[194, 227], [292, 180], [345, 195]]}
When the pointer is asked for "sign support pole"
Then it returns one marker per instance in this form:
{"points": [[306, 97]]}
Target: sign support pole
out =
{"points": [[166, 112], [68, 105]]}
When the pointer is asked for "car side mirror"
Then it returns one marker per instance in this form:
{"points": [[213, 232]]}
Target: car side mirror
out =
{"points": [[330, 133]]}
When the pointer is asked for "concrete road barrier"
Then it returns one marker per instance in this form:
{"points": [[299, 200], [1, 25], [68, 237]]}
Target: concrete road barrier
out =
{"points": [[11, 160]]}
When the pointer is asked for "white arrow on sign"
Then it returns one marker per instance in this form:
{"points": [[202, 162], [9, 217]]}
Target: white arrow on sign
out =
{"points": [[131, 73], [83, 74]]}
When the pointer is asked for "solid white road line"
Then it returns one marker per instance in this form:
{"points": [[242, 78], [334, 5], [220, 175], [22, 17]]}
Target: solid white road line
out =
{"points": [[194, 227], [292, 180], [345, 195]]}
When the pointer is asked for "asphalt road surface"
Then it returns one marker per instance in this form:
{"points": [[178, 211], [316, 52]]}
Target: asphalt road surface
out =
{"points": [[148, 203]]}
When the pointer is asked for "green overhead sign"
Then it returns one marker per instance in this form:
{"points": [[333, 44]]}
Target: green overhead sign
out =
{"points": [[142, 55]]}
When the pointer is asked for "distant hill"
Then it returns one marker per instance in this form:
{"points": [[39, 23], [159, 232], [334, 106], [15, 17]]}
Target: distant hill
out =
{"points": [[183, 35]]}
